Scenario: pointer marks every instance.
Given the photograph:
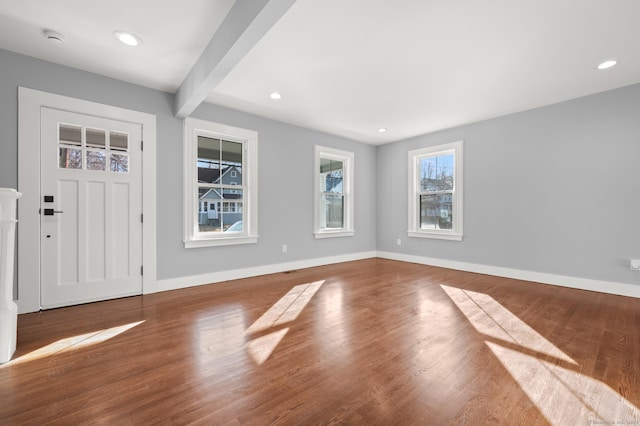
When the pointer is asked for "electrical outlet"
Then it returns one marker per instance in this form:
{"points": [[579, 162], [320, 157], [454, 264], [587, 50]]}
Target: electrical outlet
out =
{"points": [[284, 248], [635, 264], [399, 242]]}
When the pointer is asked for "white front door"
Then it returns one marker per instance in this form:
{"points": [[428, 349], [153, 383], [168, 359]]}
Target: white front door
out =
{"points": [[91, 207]]}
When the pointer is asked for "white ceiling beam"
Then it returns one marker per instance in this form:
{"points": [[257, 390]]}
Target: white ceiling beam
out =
{"points": [[246, 23]]}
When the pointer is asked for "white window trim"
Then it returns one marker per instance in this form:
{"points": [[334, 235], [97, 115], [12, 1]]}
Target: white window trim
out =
{"points": [[454, 234], [347, 189], [192, 237]]}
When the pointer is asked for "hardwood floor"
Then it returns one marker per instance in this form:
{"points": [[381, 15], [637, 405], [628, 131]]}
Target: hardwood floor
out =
{"points": [[367, 342]]}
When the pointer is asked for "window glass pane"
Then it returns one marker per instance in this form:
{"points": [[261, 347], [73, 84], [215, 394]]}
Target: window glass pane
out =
{"points": [[119, 163], [436, 173], [96, 160], [232, 162], [436, 211], [208, 160], [332, 172], [119, 141], [223, 212], [232, 216], [70, 135], [70, 158], [96, 138], [333, 209], [209, 219]]}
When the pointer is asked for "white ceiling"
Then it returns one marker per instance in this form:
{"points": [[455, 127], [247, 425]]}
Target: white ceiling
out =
{"points": [[349, 67]]}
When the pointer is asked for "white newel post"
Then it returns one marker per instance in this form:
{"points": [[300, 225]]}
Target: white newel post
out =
{"points": [[8, 308]]}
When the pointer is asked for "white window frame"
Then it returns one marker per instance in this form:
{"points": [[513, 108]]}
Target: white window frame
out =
{"points": [[454, 234], [192, 236], [347, 159]]}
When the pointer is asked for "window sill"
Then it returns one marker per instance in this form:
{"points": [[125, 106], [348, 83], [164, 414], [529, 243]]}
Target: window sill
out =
{"points": [[435, 235], [332, 234], [220, 241]]}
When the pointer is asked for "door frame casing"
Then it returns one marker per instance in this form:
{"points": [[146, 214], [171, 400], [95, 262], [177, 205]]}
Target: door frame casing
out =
{"points": [[30, 102]]}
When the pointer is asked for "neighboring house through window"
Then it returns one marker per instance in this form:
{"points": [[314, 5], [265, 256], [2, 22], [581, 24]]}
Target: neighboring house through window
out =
{"points": [[435, 192], [218, 210], [333, 193]]}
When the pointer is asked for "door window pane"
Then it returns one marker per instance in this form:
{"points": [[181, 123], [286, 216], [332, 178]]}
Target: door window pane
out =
{"points": [[70, 135], [96, 160], [91, 152], [70, 158], [96, 138], [118, 141], [119, 163]]}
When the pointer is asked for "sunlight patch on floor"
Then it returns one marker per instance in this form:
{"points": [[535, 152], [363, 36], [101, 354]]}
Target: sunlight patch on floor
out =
{"points": [[563, 395], [262, 347], [492, 319], [219, 333], [287, 308], [282, 312], [556, 386], [74, 342]]}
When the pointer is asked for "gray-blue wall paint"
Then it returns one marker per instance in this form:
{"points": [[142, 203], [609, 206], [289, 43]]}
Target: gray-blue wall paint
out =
{"points": [[285, 171], [553, 190], [548, 190]]}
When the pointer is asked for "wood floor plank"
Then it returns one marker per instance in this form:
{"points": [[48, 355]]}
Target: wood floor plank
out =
{"points": [[366, 342]]}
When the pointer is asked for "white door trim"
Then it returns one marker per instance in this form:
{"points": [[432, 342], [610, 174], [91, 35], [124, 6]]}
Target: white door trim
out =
{"points": [[29, 104]]}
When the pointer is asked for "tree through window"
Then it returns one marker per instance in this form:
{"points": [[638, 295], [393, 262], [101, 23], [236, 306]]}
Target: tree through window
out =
{"points": [[435, 192]]}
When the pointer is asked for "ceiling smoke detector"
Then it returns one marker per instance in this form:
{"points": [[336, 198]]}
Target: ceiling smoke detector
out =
{"points": [[54, 36]]}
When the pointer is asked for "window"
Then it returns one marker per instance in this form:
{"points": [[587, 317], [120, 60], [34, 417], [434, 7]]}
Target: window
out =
{"points": [[102, 150], [217, 210], [333, 193], [435, 192]]}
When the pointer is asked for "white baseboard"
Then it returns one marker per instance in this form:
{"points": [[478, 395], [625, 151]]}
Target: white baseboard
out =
{"points": [[620, 289], [216, 277]]}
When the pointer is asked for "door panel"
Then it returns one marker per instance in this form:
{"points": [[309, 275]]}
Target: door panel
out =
{"points": [[91, 247]]}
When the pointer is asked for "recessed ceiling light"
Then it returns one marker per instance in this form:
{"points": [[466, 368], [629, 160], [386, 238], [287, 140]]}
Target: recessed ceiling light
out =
{"points": [[275, 95], [382, 130], [53, 36], [607, 64], [127, 38]]}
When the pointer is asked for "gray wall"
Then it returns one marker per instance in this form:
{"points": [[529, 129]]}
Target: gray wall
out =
{"points": [[551, 190], [285, 204]]}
